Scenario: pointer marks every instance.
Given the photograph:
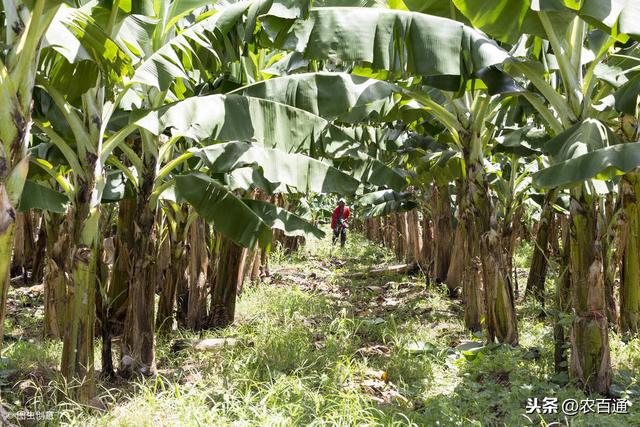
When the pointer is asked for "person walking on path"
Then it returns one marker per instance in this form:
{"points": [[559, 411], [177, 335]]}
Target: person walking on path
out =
{"points": [[339, 222]]}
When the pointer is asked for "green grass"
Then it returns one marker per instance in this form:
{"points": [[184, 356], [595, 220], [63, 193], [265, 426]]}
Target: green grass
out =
{"points": [[522, 255], [315, 348]]}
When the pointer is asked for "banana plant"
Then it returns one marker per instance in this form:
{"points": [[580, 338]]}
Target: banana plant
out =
{"points": [[148, 86], [570, 104], [85, 43], [626, 101], [440, 165], [105, 49], [513, 164], [24, 26], [85, 114]]}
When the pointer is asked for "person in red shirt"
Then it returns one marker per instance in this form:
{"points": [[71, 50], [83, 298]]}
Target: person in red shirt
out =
{"points": [[339, 222]]}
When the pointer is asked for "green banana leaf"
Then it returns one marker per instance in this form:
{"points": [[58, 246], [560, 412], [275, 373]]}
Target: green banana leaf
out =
{"points": [[117, 187], [281, 219], [585, 151], [76, 49], [582, 138], [444, 8], [350, 3], [386, 208], [382, 196], [91, 40], [627, 96], [180, 8], [285, 9], [398, 41], [37, 196], [441, 167], [339, 143], [340, 96], [506, 20], [525, 141], [602, 164], [562, 202], [250, 178], [235, 117], [374, 172], [295, 170], [350, 147], [61, 39], [619, 16], [223, 210], [166, 64]]}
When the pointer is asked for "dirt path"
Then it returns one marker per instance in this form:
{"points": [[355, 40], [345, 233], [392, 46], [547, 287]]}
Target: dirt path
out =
{"points": [[385, 311]]}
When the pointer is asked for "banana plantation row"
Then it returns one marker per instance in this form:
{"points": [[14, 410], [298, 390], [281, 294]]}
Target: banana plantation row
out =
{"points": [[163, 147]]}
